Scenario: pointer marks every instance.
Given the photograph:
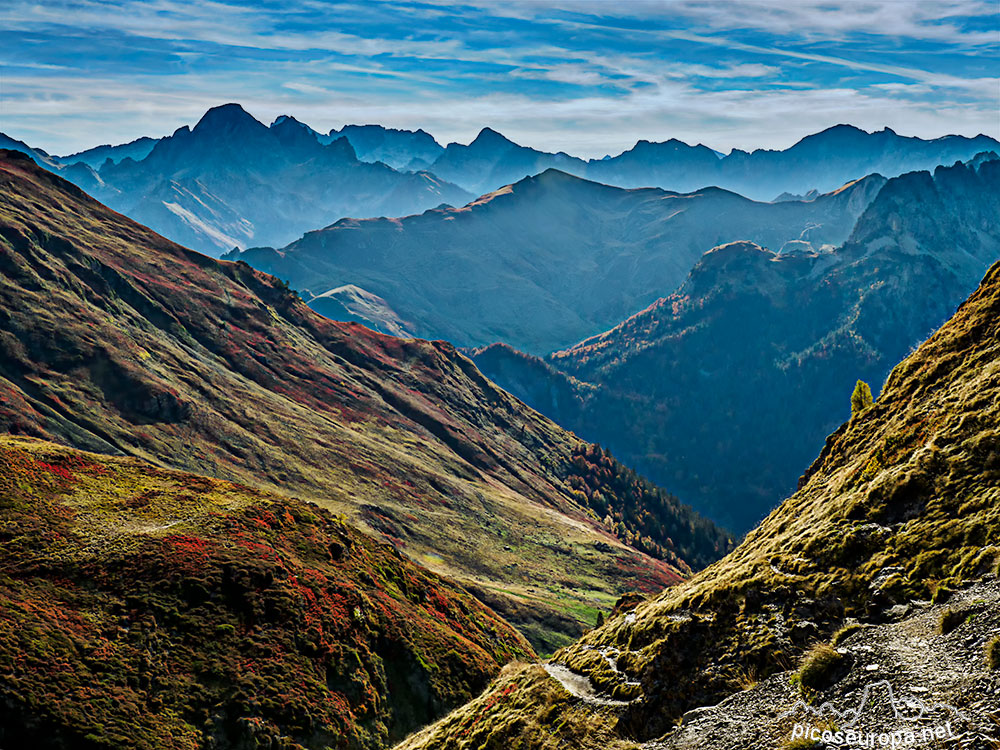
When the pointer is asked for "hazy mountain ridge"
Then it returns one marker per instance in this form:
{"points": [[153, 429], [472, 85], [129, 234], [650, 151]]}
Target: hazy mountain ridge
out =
{"points": [[400, 149], [900, 506], [117, 340], [232, 181], [269, 190], [816, 164], [822, 162], [724, 389], [547, 261], [136, 150]]}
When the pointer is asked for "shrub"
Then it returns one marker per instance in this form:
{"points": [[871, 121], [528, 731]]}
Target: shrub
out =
{"points": [[861, 399], [951, 619], [819, 667]]}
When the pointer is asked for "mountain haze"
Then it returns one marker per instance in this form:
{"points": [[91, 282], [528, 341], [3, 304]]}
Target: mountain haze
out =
{"points": [[400, 149], [823, 162], [544, 262], [724, 389], [231, 181]]}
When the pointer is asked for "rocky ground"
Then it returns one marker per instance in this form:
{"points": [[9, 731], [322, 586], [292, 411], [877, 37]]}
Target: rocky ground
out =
{"points": [[902, 678]]}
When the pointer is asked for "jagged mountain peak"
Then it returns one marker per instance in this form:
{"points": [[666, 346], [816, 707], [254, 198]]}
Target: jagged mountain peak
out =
{"points": [[287, 121], [488, 137], [227, 118]]}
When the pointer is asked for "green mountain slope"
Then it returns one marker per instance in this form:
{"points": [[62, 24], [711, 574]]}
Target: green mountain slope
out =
{"points": [[146, 608], [901, 505], [116, 340]]}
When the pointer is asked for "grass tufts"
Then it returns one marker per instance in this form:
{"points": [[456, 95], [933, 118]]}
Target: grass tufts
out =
{"points": [[819, 667], [993, 653], [844, 633]]}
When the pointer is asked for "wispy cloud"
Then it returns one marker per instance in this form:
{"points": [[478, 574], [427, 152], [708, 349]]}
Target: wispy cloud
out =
{"points": [[562, 75]]}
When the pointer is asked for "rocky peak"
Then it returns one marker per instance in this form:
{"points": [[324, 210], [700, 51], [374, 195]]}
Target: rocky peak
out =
{"points": [[227, 119], [489, 138]]}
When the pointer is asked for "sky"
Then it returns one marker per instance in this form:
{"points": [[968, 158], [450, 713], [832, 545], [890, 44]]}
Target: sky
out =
{"points": [[586, 77]]}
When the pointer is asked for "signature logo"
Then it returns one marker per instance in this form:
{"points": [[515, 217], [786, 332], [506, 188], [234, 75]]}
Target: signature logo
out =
{"points": [[916, 722]]}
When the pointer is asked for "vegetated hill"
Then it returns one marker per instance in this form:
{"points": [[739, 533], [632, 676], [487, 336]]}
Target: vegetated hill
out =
{"points": [[542, 263], [116, 340], [822, 161], [901, 506], [147, 608], [231, 181], [725, 389]]}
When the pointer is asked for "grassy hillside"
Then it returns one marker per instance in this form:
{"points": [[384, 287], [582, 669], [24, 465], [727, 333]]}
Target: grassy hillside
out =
{"points": [[147, 608], [115, 340], [900, 505]]}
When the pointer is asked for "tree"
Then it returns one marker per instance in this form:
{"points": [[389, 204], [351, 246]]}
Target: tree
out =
{"points": [[861, 399]]}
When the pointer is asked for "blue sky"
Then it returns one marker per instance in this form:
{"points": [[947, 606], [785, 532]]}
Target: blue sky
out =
{"points": [[586, 77]]}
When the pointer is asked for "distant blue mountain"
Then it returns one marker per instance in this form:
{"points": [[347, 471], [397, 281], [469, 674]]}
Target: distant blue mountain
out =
{"points": [[94, 157], [542, 263], [400, 149], [233, 182], [821, 162]]}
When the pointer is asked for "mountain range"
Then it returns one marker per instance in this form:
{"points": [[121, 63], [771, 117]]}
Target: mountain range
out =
{"points": [[542, 263], [726, 387], [820, 162], [233, 182], [227, 521], [116, 340], [899, 508]]}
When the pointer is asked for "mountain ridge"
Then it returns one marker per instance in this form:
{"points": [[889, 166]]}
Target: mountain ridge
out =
{"points": [[394, 172], [587, 254], [770, 340], [117, 340]]}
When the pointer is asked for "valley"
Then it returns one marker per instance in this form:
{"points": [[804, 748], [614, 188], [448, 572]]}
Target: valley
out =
{"points": [[499, 376]]}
